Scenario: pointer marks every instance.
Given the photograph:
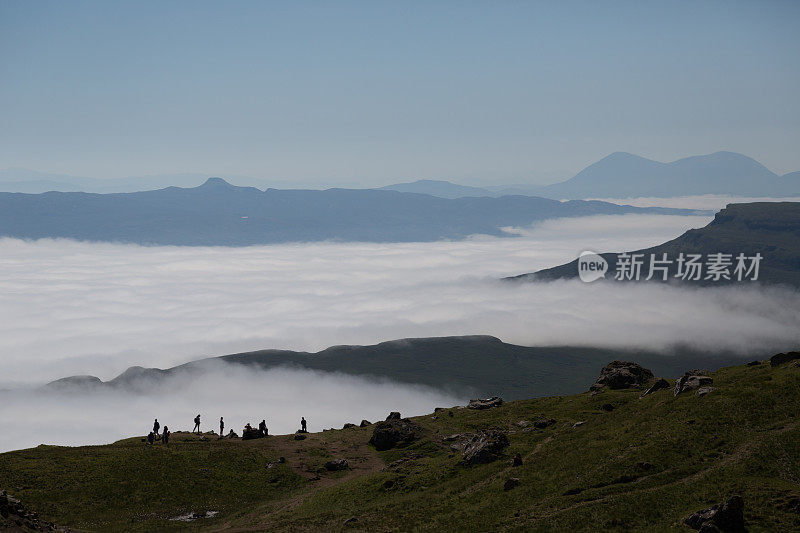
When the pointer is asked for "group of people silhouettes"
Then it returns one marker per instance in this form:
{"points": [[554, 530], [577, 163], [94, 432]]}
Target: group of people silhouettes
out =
{"points": [[151, 437], [164, 436]]}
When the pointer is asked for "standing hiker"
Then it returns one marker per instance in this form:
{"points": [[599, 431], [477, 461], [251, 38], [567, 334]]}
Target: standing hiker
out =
{"points": [[303, 425], [196, 424], [156, 426], [165, 436], [262, 427], [221, 427]]}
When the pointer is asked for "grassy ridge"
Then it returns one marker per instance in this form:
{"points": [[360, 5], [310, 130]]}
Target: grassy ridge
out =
{"points": [[645, 465]]}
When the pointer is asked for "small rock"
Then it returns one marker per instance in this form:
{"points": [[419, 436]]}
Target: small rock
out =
{"points": [[578, 424], [692, 380], [299, 436], [622, 375], [365, 423], [511, 483], [702, 391], [543, 423], [660, 384], [281, 460], [351, 520], [727, 516], [487, 403], [485, 447], [523, 423], [337, 464], [437, 409], [394, 432]]}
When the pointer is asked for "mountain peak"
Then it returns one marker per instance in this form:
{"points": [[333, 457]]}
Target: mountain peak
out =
{"points": [[216, 183]]}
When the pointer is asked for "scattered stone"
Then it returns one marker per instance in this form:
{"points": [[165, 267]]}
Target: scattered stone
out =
{"points": [[192, 516], [578, 424], [437, 409], [337, 464], [523, 423], [281, 460], [394, 415], [351, 520], [299, 436], [393, 432], [365, 423], [781, 358], [727, 517], [487, 403], [660, 384], [754, 363], [702, 391], [510, 483], [453, 437], [607, 407], [349, 425], [516, 460], [485, 447], [692, 380], [622, 375], [544, 422]]}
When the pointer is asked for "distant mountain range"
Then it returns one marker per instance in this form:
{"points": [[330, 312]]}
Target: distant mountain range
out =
{"points": [[470, 365], [619, 175], [623, 175], [221, 214], [771, 229]]}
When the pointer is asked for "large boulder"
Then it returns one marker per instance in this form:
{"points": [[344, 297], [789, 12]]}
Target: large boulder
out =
{"points": [[14, 516], [692, 380], [622, 375], [394, 415], [726, 517], [485, 447], [394, 432], [782, 358], [487, 403], [252, 433]]}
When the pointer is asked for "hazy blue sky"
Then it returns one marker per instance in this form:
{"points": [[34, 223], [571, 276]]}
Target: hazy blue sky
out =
{"points": [[376, 92]]}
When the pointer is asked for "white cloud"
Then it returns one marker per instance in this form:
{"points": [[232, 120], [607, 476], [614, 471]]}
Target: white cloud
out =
{"points": [[281, 396], [713, 202], [80, 308]]}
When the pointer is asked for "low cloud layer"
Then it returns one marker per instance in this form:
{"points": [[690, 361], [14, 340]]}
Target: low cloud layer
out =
{"points": [[80, 308], [240, 395], [713, 202]]}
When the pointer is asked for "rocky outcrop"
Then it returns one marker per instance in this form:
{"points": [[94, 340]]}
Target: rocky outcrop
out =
{"points": [[484, 447], [488, 403], [622, 375], [692, 380], [365, 423], [725, 517], [394, 432], [783, 358], [15, 517], [252, 433], [349, 425], [394, 415]]}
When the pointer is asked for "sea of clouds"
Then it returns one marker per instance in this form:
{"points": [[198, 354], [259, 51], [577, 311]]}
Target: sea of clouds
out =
{"points": [[92, 308]]}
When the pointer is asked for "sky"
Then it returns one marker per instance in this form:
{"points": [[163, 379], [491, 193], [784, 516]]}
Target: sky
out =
{"points": [[370, 93]]}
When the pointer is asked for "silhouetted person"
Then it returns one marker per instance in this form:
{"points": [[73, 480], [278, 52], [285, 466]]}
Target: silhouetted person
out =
{"points": [[221, 427], [165, 436], [303, 424], [156, 426], [196, 424], [150, 438], [262, 427]]}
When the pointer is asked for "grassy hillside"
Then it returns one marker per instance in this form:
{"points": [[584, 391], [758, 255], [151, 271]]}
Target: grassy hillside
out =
{"points": [[645, 465], [771, 229]]}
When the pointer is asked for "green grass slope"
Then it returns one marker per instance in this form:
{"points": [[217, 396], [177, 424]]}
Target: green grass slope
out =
{"points": [[645, 466]]}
